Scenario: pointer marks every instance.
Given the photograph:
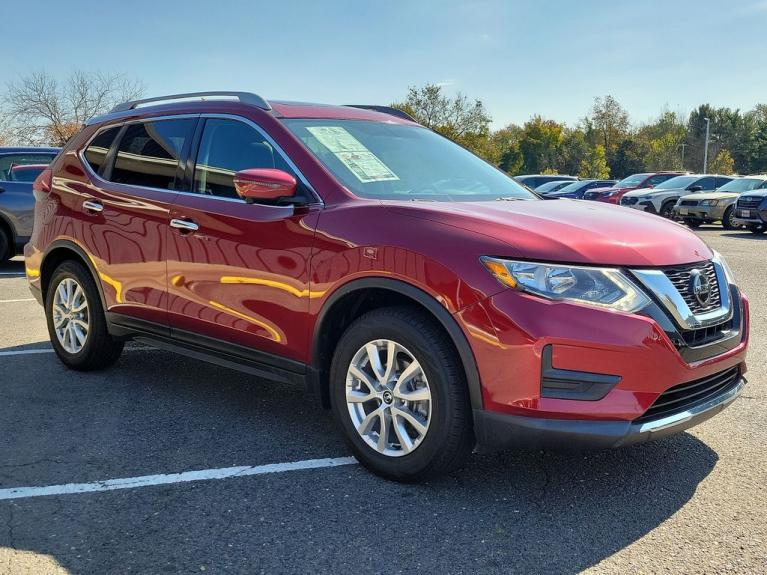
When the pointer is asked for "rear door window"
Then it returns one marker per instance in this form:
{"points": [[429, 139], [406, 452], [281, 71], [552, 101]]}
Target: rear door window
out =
{"points": [[149, 153], [708, 183], [658, 178], [96, 153]]}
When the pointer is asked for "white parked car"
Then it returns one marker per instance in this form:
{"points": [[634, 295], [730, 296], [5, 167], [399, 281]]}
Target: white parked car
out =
{"points": [[662, 198]]}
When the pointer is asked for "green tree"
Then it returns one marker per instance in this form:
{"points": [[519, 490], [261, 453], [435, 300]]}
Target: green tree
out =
{"points": [[609, 121], [594, 165], [504, 149], [723, 163], [572, 151], [540, 144], [628, 158], [462, 120]]}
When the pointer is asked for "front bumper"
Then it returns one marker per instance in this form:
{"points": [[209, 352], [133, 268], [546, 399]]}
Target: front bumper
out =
{"points": [[706, 213], [499, 430]]}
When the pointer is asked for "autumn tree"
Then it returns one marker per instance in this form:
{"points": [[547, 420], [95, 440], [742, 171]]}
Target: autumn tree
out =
{"points": [[462, 120], [723, 163], [44, 110]]}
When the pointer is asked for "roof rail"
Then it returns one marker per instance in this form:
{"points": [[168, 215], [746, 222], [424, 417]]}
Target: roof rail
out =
{"points": [[244, 97], [385, 110]]}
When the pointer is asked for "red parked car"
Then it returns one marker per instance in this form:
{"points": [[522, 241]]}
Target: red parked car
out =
{"points": [[613, 194], [425, 297]]}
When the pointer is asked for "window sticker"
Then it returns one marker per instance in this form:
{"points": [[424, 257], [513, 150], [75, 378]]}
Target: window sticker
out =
{"points": [[363, 163]]}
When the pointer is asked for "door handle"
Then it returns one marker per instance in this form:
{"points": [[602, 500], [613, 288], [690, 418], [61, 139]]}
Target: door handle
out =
{"points": [[184, 225], [91, 206]]}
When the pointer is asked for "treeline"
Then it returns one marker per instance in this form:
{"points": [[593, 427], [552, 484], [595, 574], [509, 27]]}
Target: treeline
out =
{"points": [[604, 143]]}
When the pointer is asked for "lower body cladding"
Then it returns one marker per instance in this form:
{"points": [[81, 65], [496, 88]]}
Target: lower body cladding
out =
{"points": [[703, 214], [562, 375]]}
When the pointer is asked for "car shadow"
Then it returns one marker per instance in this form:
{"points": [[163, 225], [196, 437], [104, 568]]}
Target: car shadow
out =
{"points": [[14, 266], [519, 511]]}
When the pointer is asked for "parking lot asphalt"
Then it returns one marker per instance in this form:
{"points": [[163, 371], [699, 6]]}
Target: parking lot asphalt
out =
{"points": [[692, 503]]}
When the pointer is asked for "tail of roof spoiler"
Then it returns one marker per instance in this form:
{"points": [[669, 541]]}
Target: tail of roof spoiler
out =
{"points": [[384, 110]]}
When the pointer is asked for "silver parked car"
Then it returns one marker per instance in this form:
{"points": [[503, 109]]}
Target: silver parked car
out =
{"points": [[706, 208], [18, 169]]}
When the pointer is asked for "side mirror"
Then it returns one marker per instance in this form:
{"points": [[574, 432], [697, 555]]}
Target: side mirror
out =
{"points": [[264, 185], [694, 189]]}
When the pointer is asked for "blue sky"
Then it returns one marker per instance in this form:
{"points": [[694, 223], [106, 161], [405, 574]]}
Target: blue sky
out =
{"points": [[543, 57]]}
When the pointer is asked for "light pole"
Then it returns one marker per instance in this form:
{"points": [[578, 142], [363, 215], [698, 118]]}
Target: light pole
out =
{"points": [[705, 150], [683, 145]]}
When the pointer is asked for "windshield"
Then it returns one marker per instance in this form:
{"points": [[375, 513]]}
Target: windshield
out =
{"points": [[632, 181], [402, 162], [569, 188], [678, 182], [742, 185], [551, 186]]}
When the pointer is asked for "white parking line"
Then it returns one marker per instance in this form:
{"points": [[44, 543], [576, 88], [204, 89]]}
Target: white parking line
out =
{"points": [[17, 274], [17, 300], [167, 479], [26, 351]]}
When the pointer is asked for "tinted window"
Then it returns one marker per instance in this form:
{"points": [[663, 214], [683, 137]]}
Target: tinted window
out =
{"points": [[148, 153], [6, 162], [708, 183], [226, 147], [658, 178], [722, 181], [96, 152]]}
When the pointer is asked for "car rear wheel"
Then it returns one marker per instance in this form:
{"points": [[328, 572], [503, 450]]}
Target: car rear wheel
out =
{"points": [[728, 219], [399, 393], [76, 322]]}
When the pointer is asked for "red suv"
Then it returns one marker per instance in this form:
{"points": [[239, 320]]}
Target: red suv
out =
{"points": [[425, 297], [613, 194]]}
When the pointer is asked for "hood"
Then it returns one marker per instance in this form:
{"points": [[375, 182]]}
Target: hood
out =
{"points": [[571, 231], [712, 196]]}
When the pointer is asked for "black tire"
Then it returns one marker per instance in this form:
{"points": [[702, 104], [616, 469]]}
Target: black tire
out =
{"points": [[5, 246], [757, 230], [694, 224], [667, 209], [450, 436], [727, 219], [100, 350]]}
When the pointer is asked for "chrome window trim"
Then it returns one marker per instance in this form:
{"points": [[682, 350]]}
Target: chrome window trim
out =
{"points": [[656, 281], [243, 119]]}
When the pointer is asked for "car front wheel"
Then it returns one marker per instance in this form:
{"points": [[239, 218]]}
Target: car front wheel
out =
{"points": [[76, 322], [667, 209], [399, 393], [728, 219]]}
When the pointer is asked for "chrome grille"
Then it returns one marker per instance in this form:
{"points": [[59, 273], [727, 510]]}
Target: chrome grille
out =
{"points": [[629, 200], [681, 277], [749, 202]]}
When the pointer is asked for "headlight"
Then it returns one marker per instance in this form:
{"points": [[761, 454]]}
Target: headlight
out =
{"points": [[602, 287], [709, 203]]}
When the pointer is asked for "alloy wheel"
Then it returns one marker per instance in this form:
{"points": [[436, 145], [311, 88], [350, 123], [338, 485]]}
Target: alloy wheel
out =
{"points": [[388, 397], [71, 319]]}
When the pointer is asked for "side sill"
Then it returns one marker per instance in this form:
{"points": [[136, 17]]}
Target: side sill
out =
{"points": [[225, 354]]}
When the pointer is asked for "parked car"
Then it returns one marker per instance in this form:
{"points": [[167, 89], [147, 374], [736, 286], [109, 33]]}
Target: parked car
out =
{"points": [[532, 181], [706, 208], [18, 169], [751, 211], [550, 187], [613, 194], [417, 291], [662, 198], [575, 190]]}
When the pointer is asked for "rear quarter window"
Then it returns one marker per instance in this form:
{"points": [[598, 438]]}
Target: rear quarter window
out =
{"points": [[9, 160]]}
